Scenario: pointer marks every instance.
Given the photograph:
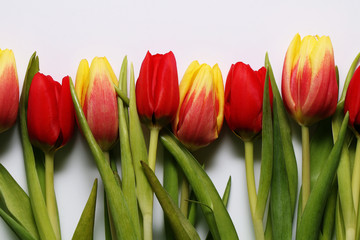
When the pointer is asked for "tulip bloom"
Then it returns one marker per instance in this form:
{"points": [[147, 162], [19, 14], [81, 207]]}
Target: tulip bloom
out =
{"points": [[9, 90], [309, 86], [243, 100], [98, 98], [50, 113], [157, 89], [201, 111]]}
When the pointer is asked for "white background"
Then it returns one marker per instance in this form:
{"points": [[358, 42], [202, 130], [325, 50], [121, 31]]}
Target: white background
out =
{"points": [[64, 32]]}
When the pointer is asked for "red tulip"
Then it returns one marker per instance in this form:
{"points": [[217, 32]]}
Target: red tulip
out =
{"points": [[244, 99], [309, 86], [9, 90], [50, 113], [157, 89], [352, 101]]}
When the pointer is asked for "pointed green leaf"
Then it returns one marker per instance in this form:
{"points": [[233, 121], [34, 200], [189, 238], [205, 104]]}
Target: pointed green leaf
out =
{"points": [[311, 219], [139, 153], [285, 130], [182, 228], [35, 192], [349, 76], [117, 203], [127, 168], [280, 200], [266, 153], [16, 202], [85, 227], [18, 229], [217, 217]]}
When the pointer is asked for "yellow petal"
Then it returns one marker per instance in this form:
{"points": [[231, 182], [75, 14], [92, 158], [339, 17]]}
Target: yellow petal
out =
{"points": [[307, 45], [219, 91], [322, 47], [187, 80], [112, 74], [7, 59], [82, 80]]}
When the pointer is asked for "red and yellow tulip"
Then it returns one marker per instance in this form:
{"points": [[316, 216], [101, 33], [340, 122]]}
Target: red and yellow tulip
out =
{"points": [[98, 98], [200, 113], [9, 90]]}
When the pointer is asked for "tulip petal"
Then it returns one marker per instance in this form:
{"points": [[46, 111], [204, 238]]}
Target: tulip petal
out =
{"points": [[66, 111], [42, 114], [219, 95], [81, 82]]}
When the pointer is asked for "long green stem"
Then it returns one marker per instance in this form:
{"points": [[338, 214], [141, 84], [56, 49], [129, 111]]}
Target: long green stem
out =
{"points": [[154, 136], [50, 193], [110, 220], [305, 165], [148, 216], [355, 182], [250, 180]]}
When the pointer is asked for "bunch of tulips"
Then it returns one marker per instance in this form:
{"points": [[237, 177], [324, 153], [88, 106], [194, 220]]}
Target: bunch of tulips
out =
{"points": [[185, 118]]}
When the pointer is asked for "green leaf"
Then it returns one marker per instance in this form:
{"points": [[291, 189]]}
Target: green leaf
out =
{"points": [[139, 153], [182, 228], [127, 168], [85, 227], [225, 200], [122, 221], [349, 76], [171, 185], [328, 221], [311, 219], [280, 200], [285, 131], [339, 221], [18, 229], [216, 215], [35, 192], [266, 153], [16, 202]]}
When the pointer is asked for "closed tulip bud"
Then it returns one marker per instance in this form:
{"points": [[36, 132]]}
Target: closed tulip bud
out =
{"points": [[157, 89], [244, 100], [95, 90], [50, 113], [309, 86], [200, 113], [352, 102], [9, 90]]}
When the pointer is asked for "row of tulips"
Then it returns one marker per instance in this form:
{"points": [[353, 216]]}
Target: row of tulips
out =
{"points": [[194, 111]]}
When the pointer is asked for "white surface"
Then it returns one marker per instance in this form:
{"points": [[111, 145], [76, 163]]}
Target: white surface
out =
{"points": [[64, 32]]}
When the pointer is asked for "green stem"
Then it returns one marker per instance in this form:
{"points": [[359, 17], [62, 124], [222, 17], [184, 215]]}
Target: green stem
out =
{"points": [[355, 182], [111, 222], [50, 193], [305, 165], [154, 136], [184, 201], [250, 180], [148, 221]]}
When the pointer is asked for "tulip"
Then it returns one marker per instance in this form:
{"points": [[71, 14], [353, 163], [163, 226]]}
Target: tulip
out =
{"points": [[9, 90], [157, 89], [50, 113], [244, 92], [309, 85], [157, 100], [243, 100], [200, 114], [50, 122], [310, 90], [96, 93]]}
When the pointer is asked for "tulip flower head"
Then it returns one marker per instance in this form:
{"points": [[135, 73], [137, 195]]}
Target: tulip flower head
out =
{"points": [[50, 113], [157, 89], [9, 90], [309, 86], [352, 102], [244, 100], [200, 113], [95, 90]]}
